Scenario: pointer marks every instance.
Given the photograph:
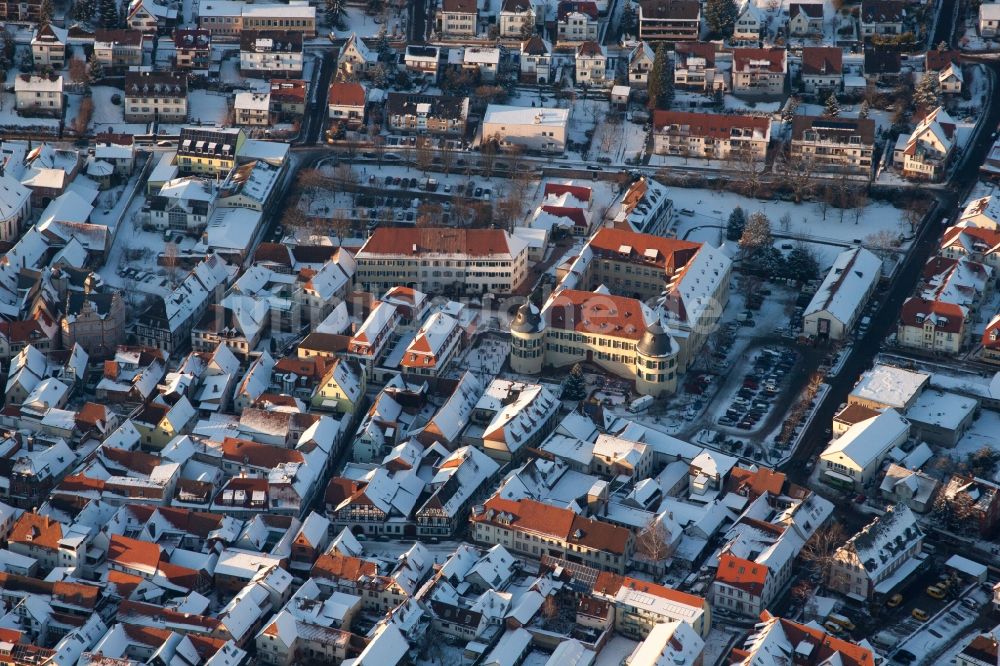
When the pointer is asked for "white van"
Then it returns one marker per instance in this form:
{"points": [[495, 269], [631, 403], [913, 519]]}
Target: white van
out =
{"points": [[641, 404]]}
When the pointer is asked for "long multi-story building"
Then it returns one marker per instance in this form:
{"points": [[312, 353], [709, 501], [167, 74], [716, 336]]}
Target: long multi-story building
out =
{"points": [[534, 529], [710, 136], [878, 559], [621, 335], [438, 260], [834, 144], [228, 19], [271, 53], [156, 96], [690, 279], [669, 20]]}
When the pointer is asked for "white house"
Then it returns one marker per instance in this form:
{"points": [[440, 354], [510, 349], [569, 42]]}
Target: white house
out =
{"points": [[15, 207], [852, 460], [536, 60], [841, 298], [39, 95], [924, 154], [989, 19], [591, 63], [536, 129], [517, 18]]}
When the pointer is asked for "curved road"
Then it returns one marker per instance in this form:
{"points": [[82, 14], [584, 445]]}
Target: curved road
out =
{"points": [[884, 321]]}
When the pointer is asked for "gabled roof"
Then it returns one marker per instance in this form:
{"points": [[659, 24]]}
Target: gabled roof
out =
{"points": [[822, 60]]}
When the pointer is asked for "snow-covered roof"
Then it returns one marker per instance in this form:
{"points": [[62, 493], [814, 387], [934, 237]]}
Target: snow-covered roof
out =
{"points": [[525, 115], [843, 291], [868, 440], [13, 197], [253, 101], [519, 411], [890, 386], [941, 409]]}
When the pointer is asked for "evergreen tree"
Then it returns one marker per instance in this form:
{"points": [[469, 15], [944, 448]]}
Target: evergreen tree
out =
{"points": [[791, 107], [832, 109], [927, 94], [661, 84], [737, 222], [94, 68], [757, 232], [108, 12], [83, 10], [629, 22], [721, 15], [801, 265], [335, 12], [575, 387], [45, 14], [864, 111]]}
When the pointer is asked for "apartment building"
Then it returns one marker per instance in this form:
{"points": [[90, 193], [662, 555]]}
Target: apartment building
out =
{"points": [[694, 67], [882, 17], [271, 53], [424, 113], [251, 109], [118, 50], [20, 10], [156, 96], [209, 151], [932, 325], [591, 64], [458, 18], [193, 50], [822, 69], [517, 18], [534, 530], [669, 20], [534, 129], [433, 260], [833, 144], [227, 19], [878, 559], [759, 72], [710, 136]]}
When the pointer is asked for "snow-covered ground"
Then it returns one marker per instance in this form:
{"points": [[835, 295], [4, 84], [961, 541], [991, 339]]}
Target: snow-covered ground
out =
{"points": [[357, 21], [616, 651], [984, 432], [110, 116], [828, 236]]}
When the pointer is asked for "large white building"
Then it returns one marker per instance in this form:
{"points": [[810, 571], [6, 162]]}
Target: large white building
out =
{"points": [[15, 206], [852, 460], [446, 260], [841, 298], [534, 129]]}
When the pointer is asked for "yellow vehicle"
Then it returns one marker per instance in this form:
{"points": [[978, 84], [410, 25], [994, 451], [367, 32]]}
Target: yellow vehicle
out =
{"points": [[832, 627], [919, 615], [894, 600], [935, 592], [842, 622]]}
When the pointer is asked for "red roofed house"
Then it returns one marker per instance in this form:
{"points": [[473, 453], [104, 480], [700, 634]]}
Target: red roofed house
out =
{"points": [[812, 645], [346, 103], [432, 349], [931, 325], [979, 244], [534, 529], [991, 342], [741, 586], [805, 18], [822, 69], [640, 605], [925, 154], [759, 72], [710, 136], [458, 18]]}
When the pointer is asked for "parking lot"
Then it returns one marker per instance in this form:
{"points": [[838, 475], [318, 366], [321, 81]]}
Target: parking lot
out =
{"points": [[753, 397]]}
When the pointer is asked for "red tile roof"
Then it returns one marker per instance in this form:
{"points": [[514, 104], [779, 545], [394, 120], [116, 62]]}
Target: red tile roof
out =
{"points": [[414, 242], [596, 314], [710, 125], [346, 94], [742, 574], [915, 306], [775, 58]]}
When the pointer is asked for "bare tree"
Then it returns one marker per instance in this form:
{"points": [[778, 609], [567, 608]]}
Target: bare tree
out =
{"points": [[429, 214], [860, 201], [799, 173], [821, 550], [424, 154], [652, 543], [785, 222], [883, 242], [488, 150]]}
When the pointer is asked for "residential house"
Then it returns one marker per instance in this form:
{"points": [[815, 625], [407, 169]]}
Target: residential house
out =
{"points": [[669, 20], [640, 63], [156, 96], [118, 50], [118, 150], [483, 61], [925, 153], [158, 422], [882, 65], [591, 64], [536, 60], [949, 71], [423, 60], [932, 325], [805, 19], [15, 208], [342, 388], [38, 95], [517, 19], [252, 109], [576, 22], [749, 25], [772, 635], [94, 321], [695, 68], [641, 606], [989, 19], [969, 505], [355, 57], [209, 151], [183, 204], [882, 17], [457, 19], [346, 102], [710, 136], [48, 47], [426, 113], [822, 70]]}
